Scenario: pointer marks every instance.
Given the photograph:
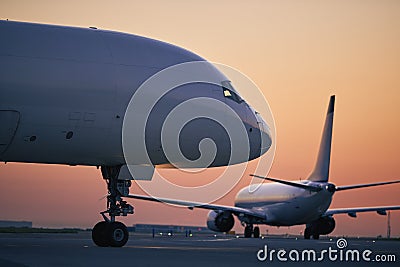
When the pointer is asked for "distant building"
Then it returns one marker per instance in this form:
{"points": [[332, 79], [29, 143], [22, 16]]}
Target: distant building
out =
{"points": [[16, 224], [162, 228]]}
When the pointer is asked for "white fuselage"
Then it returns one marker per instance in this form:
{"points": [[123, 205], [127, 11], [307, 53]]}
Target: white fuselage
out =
{"points": [[64, 92], [285, 205]]}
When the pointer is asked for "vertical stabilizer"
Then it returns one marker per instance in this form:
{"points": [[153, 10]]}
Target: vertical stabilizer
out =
{"points": [[321, 169]]}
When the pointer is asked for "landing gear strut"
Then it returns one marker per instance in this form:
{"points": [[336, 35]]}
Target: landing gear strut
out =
{"points": [[109, 232]]}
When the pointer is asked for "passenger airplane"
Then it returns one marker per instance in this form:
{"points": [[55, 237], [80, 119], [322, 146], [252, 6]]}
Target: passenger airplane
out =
{"points": [[64, 92], [286, 203]]}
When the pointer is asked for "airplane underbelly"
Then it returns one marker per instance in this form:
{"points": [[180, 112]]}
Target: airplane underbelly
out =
{"points": [[81, 143]]}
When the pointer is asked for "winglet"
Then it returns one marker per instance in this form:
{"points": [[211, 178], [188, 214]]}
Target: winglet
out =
{"points": [[321, 169]]}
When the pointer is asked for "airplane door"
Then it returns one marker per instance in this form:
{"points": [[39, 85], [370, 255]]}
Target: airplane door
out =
{"points": [[9, 120]]}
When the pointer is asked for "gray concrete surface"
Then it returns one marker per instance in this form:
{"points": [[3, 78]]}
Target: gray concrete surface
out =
{"points": [[178, 250]]}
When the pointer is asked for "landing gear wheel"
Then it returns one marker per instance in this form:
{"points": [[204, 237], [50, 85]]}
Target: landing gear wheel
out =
{"points": [[307, 233], [315, 236], [256, 232], [248, 230], [100, 234], [118, 234]]}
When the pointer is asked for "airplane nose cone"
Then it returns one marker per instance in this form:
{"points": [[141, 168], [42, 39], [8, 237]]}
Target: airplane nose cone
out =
{"points": [[266, 139], [261, 141]]}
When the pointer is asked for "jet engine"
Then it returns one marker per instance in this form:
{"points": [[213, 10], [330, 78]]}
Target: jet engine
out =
{"points": [[220, 221], [322, 226]]}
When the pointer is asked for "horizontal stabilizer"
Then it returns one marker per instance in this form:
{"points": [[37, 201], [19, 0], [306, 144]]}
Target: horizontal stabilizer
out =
{"points": [[304, 186], [347, 187], [352, 212]]}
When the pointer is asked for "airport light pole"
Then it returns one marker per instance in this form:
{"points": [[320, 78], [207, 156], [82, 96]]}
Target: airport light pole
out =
{"points": [[388, 225]]}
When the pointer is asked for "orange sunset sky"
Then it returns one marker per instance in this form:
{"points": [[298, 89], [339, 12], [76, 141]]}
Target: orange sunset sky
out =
{"points": [[297, 52]]}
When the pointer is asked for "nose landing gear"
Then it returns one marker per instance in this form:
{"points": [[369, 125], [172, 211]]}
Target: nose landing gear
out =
{"points": [[109, 232]]}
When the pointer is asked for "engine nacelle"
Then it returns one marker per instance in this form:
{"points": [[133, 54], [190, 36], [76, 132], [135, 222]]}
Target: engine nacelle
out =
{"points": [[220, 221], [323, 226]]}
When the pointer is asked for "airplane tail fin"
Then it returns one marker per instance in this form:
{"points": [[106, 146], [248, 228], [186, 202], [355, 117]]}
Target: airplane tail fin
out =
{"points": [[321, 169]]}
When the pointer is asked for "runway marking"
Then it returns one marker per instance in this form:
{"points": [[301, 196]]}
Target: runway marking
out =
{"points": [[209, 240], [185, 248]]}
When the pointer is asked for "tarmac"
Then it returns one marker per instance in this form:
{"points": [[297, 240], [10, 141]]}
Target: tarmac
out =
{"points": [[199, 250]]}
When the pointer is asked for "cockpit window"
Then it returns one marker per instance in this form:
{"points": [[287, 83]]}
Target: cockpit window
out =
{"points": [[230, 93], [227, 93]]}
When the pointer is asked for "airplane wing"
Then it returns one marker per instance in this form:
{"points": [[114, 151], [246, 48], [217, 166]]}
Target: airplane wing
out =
{"points": [[191, 205], [352, 212]]}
